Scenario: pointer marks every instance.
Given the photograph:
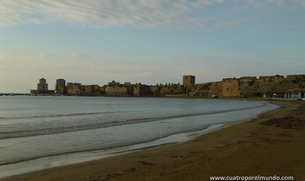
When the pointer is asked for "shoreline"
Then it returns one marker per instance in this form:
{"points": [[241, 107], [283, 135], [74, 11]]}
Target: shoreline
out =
{"points": [[52, 161], [143, 162], [77, 158]]}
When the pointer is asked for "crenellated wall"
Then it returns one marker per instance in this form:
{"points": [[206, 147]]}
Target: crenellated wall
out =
{"points": [[141, 90], [116, 90], [230, 87], [160, 89], [75, 89], [271, 83], [249, 86]]}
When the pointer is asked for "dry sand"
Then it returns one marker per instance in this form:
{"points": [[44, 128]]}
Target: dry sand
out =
{"points": [[276, 147]]}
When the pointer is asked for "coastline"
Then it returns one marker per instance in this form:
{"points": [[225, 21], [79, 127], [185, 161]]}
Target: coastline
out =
{"points": [[42, 163], [206, 154]]}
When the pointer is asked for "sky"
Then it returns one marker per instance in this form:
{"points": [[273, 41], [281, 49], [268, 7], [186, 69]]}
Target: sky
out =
{"points": [[147, 41]]}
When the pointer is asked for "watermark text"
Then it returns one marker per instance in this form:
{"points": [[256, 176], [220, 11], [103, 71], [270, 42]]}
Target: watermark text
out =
{"points": [[247, 178]]}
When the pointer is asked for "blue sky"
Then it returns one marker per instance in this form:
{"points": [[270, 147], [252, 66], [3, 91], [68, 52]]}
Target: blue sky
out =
{"points": [[147, 41]]}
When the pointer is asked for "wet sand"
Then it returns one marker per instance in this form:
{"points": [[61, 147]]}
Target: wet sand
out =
{"points": [[276, 147]]}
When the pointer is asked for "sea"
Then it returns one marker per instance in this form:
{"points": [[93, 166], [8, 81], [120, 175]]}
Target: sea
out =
{"points": [[40, 132]]}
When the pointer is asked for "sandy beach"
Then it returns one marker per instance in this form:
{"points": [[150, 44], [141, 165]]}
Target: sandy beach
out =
{"points": [[271, 144]]}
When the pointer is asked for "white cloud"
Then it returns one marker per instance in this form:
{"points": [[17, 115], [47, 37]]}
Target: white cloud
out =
{"points": [[79, 57], [16, 60], [145, 14], [45, 55]]}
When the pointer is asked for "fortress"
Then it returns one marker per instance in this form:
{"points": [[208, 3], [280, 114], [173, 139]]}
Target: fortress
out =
{"points": [[42, 88], [228, 87]]}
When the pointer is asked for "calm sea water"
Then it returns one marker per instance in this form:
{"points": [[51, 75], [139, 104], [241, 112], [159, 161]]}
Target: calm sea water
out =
{"points": [[41, 130]]}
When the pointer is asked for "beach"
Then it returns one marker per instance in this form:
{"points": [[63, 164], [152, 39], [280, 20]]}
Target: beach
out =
{"points": [[262, 146]]}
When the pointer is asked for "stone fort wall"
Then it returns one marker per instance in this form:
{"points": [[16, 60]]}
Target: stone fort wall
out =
{"points": [[228, 87], [236, 87]]}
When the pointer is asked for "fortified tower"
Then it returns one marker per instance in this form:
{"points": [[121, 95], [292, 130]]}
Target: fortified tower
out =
{"points": [[42, 86], [60, 86], [188, 80], [60, 82]]}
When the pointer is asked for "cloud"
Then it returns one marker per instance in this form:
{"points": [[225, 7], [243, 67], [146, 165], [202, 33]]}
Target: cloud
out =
{"points": [[6, 58], [79, 57], [16, 60], [277, 3], [45, 55], [144, 14]]}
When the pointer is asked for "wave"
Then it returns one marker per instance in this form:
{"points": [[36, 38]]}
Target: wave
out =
{"points": [[48, 131], [61, 115]]}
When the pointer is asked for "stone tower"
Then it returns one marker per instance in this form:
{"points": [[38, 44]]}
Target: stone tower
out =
{"points": [[60, 86], [61, 82], [42, 86], [188, 80]]}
